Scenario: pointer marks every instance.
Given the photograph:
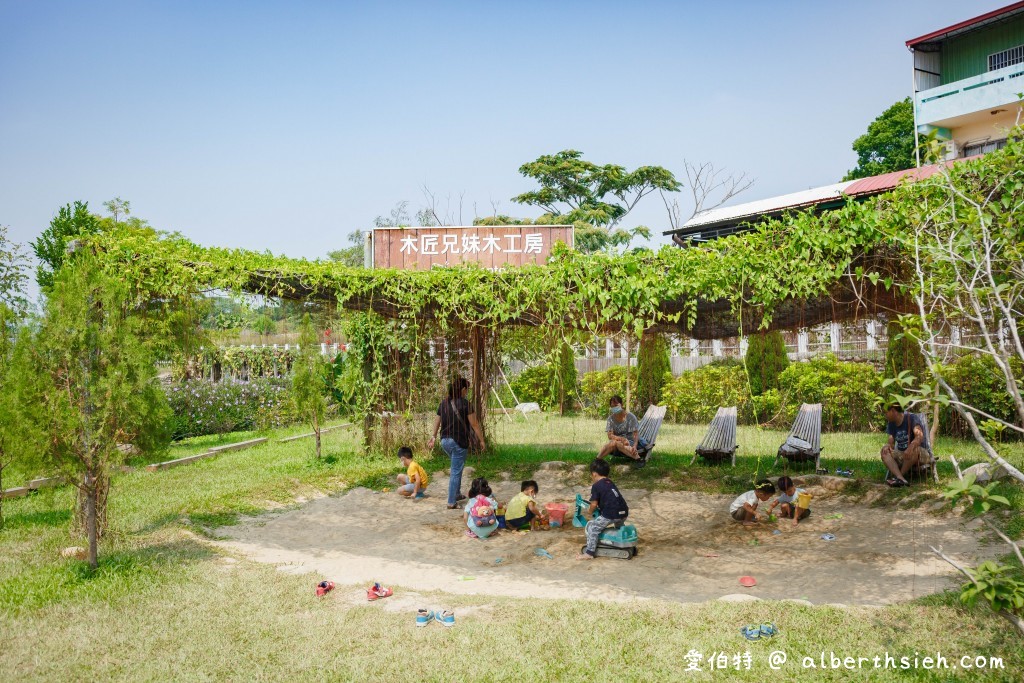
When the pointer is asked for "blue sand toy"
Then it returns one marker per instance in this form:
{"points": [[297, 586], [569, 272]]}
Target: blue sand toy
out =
{"points": [[615, 541]]}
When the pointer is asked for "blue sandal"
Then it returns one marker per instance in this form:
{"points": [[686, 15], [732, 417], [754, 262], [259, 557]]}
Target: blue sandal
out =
{"points": [[751, 632], [768, 630]]}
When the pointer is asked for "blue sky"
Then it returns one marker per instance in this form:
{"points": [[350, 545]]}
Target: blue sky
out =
{"points": [[285, 126]]}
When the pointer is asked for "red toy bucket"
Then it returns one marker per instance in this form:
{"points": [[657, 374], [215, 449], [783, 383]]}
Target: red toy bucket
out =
{"points": [[556, 512]]}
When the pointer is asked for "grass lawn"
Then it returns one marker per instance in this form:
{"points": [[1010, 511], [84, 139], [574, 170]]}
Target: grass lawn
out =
{"points": [[166, 604]]}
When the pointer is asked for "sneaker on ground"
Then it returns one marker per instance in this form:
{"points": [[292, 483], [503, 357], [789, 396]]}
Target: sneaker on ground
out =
{"points": [[377, 591]]}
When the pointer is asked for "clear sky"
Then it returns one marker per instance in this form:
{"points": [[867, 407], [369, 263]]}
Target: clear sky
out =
{"points": [[286, 125]]}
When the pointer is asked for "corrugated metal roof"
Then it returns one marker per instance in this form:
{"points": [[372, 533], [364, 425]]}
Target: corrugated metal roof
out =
{"points": [[727, 215], [815, 195], [969, 23], [888, 181]]}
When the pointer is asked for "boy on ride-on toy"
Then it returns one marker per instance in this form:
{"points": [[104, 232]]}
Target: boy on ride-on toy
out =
{"points": [[604, 495]]}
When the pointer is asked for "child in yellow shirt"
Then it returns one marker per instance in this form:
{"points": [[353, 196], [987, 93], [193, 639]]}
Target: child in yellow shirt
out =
{"points": [[522, 510], [413, 483]]}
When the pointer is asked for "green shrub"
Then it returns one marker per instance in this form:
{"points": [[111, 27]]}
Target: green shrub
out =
{"points": [[653, 366], [553, 384], [979, 383], [695, 396], [769, 408], [904, 353], [766, 359], [203, 407], [848, 392], [599, 386]]}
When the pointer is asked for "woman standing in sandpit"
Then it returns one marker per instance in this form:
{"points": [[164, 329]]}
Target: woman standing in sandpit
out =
{"points": [[455, 418]]}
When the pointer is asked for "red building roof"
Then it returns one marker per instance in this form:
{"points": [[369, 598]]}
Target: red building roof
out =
{"points": [[888, 181], [969, 23]]}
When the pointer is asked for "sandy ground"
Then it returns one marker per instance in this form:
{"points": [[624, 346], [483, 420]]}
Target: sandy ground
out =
{"points": [[690, 549]]}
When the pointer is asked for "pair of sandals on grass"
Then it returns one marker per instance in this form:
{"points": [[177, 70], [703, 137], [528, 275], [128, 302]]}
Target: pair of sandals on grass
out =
{"points": [[425, 616], [374, 592], [896, 483], [759, 631]]}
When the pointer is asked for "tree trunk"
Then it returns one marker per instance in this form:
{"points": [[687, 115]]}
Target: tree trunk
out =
{"points": [[1, 496], [370, 419], [935, 425], [80, 521], [91, 486], [477, 383], [316, 433]]}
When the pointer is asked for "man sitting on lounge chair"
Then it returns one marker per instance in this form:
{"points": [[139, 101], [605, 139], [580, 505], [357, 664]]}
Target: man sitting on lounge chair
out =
{"points": [[623, 434], [908, 445]]}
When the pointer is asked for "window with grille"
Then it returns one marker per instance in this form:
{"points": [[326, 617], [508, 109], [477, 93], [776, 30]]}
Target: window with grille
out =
{"points": [[984, 147], [1015, 55]]}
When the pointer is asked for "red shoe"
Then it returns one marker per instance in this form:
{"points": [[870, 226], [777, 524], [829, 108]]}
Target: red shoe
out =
{"points": [[323, 588], [377, 591]]}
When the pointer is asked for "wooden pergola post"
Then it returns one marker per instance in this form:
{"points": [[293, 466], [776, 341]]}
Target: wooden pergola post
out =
{"points": [[478, 381]]}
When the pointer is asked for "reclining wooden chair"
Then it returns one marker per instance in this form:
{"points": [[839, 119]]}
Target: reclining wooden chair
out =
{"points": [[650, 423], [803, 444], [720, 441]]}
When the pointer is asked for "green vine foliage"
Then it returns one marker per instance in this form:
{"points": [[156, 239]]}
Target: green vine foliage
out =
{"points": [[586, 292], [654, 369], [309, 385]]}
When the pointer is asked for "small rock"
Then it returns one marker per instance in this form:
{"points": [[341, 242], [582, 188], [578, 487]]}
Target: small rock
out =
{"points": [[74, 552], [468, 472], [552, 465], [984, 472], [799, 601], [738, 597], [622, 469], [128, 449]]}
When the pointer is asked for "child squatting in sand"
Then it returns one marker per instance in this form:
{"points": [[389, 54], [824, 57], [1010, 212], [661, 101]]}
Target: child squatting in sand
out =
{"points": [[522, 511], [792, 502], [413, 483], [744, 508]]}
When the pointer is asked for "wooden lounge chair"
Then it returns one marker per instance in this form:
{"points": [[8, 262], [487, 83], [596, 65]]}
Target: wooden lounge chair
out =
{"points": [[720, 441], [921, 470], [804, 441], [650, 423]]}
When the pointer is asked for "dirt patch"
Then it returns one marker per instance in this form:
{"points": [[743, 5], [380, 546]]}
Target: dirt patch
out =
{"points": [[690, 549]]}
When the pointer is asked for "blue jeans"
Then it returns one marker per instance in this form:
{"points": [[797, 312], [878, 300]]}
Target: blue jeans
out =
{"points": [[457, 454]]}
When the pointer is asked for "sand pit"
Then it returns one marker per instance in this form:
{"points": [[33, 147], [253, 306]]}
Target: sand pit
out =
{"points": [[690, 550]]}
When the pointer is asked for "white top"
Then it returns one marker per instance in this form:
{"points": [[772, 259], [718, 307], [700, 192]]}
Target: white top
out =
{"points": [[783, 498], [748, 497]]}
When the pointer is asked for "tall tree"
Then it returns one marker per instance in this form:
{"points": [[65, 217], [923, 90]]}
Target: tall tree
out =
{"points": [[573, 190], [351, 256], [13, 273], [889, 143], [308, 381], [12, 302], [51, 247], [118, 207], [90, 384]]}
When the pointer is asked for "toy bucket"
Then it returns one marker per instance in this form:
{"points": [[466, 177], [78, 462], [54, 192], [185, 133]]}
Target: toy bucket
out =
{"points": [[556, 513], [803, 500]]}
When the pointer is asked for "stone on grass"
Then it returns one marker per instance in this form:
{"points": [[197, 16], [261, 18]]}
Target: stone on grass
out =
{"points": [[553, 465], [74, 552], [738, 597]]}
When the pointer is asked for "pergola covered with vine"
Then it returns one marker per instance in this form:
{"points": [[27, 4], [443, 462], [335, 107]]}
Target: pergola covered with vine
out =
{"points": [[784, 275]]}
